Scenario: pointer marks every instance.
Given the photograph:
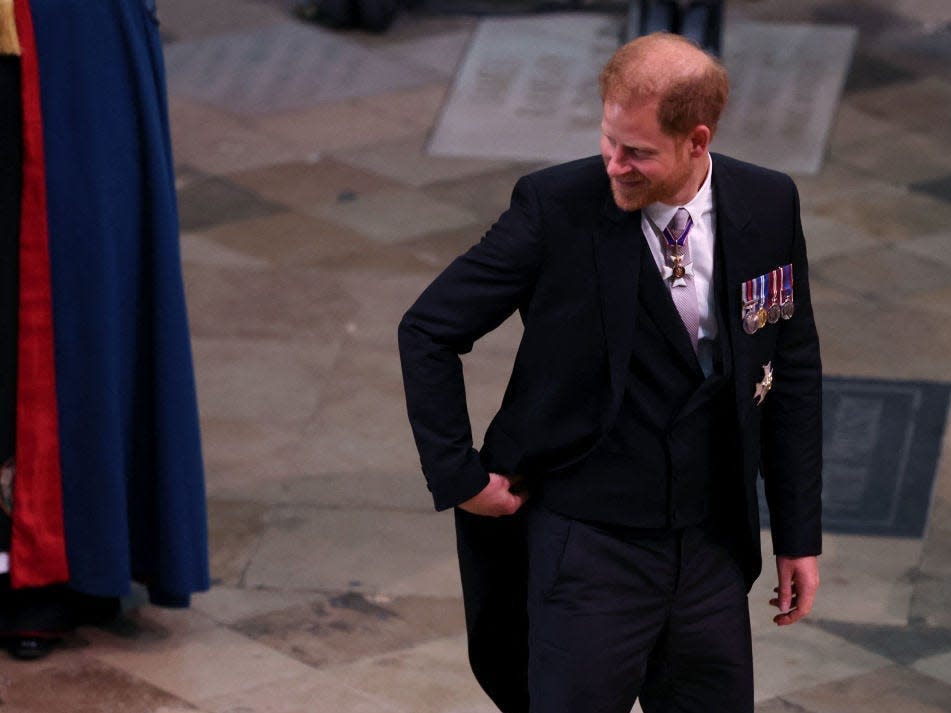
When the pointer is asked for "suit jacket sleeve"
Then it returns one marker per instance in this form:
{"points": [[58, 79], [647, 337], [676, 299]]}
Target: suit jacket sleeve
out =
{"points": [[791, 436], [475, 294]]}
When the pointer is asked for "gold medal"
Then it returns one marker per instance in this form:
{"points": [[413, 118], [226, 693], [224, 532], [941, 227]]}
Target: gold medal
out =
{"points": [[761, 317]]}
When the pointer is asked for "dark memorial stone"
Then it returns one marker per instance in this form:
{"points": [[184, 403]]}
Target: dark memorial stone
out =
{"points": [[881, 442]]}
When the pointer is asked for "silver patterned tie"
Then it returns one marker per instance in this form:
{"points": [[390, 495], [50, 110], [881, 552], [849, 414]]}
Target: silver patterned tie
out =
{"points": [[678, 272]]}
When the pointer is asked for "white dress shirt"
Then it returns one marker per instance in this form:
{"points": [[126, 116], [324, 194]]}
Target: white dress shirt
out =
{"points": [[702, 237]]}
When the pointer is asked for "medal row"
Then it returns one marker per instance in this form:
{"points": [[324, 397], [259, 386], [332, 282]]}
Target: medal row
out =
{"points": [[767, 299]]}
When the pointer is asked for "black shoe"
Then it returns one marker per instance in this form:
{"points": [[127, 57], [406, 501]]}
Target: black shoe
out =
{"points": [[29, 648]]}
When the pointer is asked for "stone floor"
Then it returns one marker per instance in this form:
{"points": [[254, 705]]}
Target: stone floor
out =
{"points": [[311, 219]]}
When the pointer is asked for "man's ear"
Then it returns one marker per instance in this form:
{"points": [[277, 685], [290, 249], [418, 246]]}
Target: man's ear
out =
{"points": [[699, 140]]}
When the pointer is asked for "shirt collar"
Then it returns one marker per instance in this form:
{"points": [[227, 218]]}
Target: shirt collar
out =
{"points": [[661, 213]]}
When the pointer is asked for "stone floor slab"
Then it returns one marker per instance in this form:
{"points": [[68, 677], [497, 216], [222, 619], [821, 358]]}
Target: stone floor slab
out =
{"points": [[785, 84], [887, 690], [80, 685], [395, 215], [178, 17], [303, 185], [882, 341], [213, 200], [290, 240], [901, 644], [887, 213], [430, 678], [301, 548], [935, 248], [343, 628], [882, 273], [261, 380], [218, 142], [918, 106], [526, 89], [938, 666], [283, 66], [313, 692], [939, 187], [199, 249], [799, 656], [294, 303], [827, 237], [228, 605], [349, 124], [410, 162], [235, 528], [900, 156], [200, 666]]}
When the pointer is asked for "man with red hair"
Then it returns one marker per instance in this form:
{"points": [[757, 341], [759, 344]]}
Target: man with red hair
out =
{"points": [[608, 528]]}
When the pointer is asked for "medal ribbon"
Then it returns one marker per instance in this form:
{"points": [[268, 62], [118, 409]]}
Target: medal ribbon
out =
{"points": [[671, 240], [774, 279], [787, 280]]}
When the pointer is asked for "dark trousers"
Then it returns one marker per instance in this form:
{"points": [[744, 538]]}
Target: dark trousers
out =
{"points": [[620, 614]]}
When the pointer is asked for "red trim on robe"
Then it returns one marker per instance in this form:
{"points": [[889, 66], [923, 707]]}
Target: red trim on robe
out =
{"points": [[38, 542]]}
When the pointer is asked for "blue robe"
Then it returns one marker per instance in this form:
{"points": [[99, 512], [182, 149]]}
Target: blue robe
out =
{"points": [[132, 478]]}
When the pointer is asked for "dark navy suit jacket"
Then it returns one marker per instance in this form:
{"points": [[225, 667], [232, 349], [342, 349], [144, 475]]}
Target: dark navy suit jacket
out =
{"points": [[568, 259]]}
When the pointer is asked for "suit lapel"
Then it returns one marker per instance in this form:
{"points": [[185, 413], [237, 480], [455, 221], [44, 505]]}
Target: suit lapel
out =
{"points": [[617, 259], [735, 242]]}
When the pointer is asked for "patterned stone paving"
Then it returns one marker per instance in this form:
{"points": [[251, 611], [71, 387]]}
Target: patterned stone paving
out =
{"points": [[314, 216]]}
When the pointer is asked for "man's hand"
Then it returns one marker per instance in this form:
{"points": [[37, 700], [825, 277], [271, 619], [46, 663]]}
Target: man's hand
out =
{"points": [[798, 582], [497, 498]]}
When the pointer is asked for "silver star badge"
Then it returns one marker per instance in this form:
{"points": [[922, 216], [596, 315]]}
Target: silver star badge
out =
{"points": [[668, 273], [763, 387]]}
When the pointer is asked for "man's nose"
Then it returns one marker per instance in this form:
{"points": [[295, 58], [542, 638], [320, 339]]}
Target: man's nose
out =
{"points": [[617, 162]]}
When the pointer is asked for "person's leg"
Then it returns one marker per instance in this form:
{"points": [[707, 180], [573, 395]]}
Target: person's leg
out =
{"points": [[704, 663], [598, 599]]}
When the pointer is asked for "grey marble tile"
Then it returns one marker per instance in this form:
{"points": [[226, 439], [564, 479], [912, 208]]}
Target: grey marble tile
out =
{"points": [[213, 201], [934, 248], [336, 126], [234, 530], [410, 162], [828, 237], [312, 692], [302, 548], [901, 644], [259, 303], [880, 274], [68, 684], [180, 19], [886, 213], [920, 106], [789, 659], [343, 628], [303, 185], [887, 690], [216, 142], [430, 678], [396, 215], [870, 72], [287, 240], [939, 187], [902, 157], [261, 380], [197, 665], [881, 341], [938, 666]]}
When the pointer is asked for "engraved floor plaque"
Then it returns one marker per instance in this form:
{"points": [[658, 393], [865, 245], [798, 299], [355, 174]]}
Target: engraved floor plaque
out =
{"points": [[527, 90], [881, 444], [785, 86], [285, 66]]}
